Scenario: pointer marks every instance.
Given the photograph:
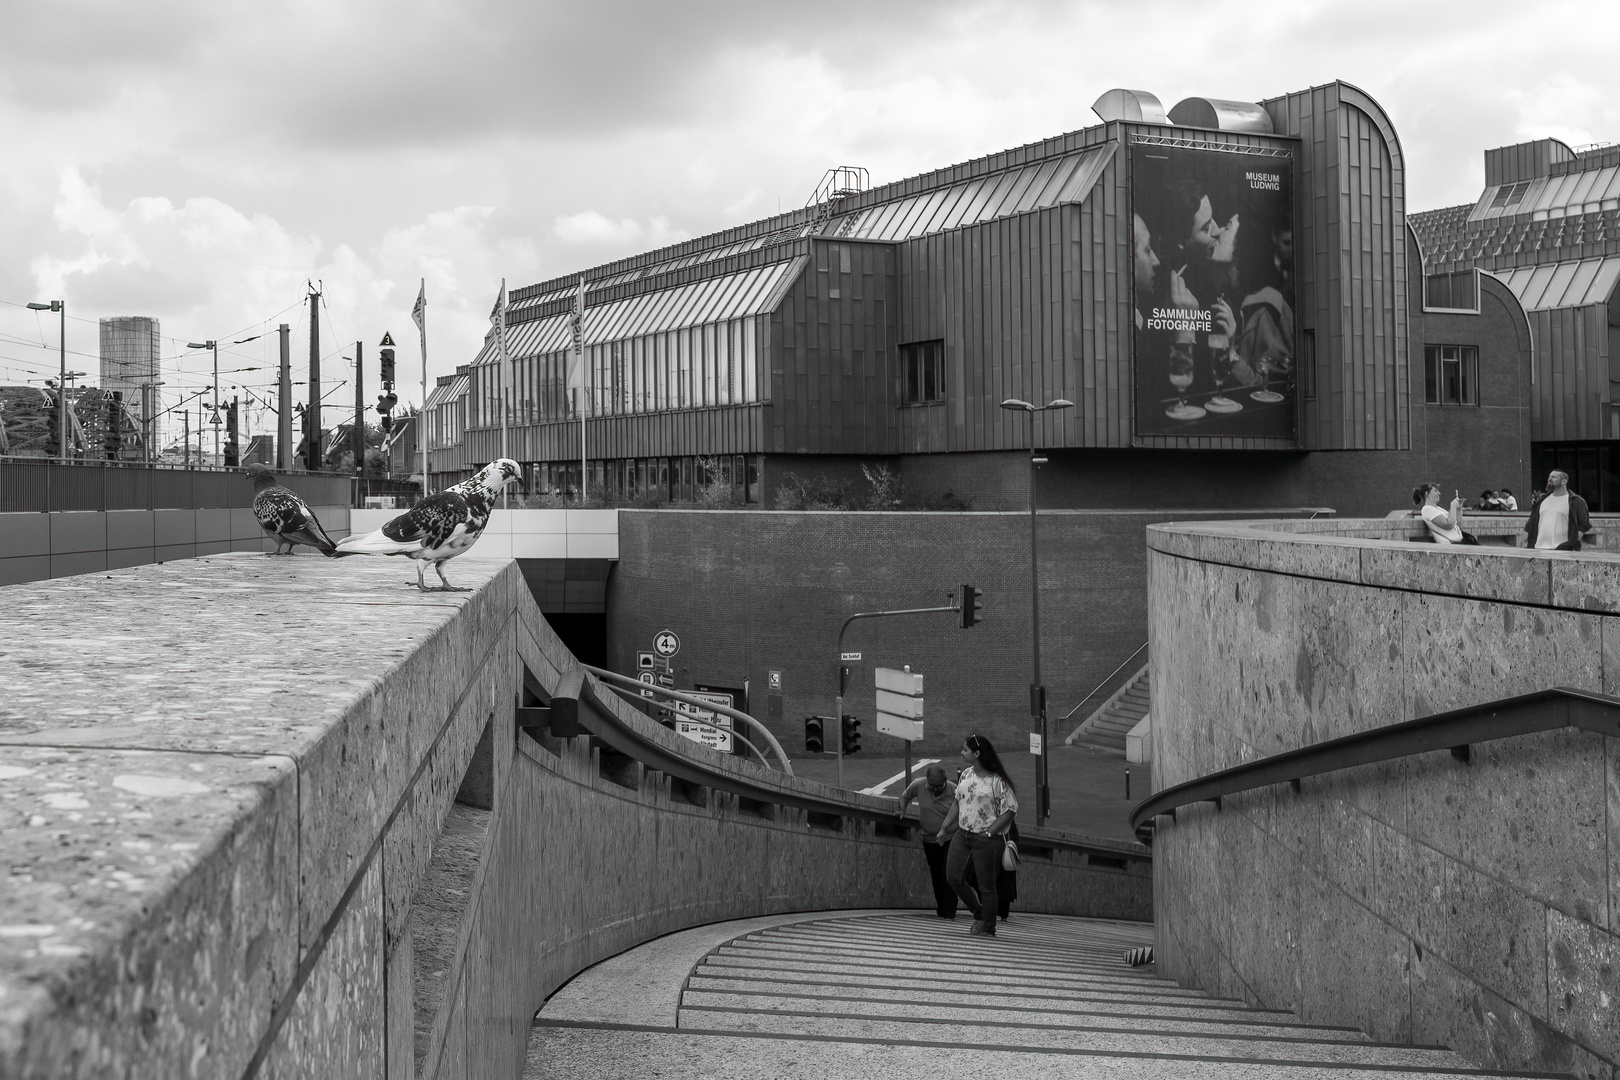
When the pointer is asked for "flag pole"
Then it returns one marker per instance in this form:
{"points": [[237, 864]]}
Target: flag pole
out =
{"points": [[500, 342], [420, 315]]}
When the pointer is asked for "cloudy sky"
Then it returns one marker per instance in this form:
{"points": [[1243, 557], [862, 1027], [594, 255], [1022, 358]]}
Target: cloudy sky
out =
{"points": [[199, 160]]}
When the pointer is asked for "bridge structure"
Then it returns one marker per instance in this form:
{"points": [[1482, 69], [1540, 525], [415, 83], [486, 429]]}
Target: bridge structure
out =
{"points": [[333, 826]]}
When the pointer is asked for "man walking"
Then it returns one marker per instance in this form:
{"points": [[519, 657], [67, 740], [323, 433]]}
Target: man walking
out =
{"points": [[1558, 517], [935, 796]]}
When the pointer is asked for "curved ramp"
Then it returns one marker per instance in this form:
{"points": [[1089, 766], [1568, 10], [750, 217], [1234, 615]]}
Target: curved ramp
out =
{"points": [[856, 994]]}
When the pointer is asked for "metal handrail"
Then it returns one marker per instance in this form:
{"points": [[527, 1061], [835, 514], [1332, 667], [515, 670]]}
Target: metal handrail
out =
{"points": [[614, 677], [604, 722], [1104, 683], [1545, 710], [634, 699]]}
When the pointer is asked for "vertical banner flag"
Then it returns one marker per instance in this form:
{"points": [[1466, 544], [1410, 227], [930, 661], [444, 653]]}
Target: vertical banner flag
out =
{"points": [[498, 319], [1213, 261], [576, 349]]}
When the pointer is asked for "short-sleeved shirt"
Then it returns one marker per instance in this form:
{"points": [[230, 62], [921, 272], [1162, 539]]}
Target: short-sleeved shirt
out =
{"points": [[1452, 535], [981, 797], [931, 809]]}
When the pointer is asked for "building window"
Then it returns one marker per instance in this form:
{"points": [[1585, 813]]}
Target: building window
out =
{"points": [[1451, 375], [923, 364], [1457, 291]]}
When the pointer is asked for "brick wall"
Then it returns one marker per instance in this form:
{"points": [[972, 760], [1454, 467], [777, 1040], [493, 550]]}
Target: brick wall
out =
{"points": [[749, 591]]}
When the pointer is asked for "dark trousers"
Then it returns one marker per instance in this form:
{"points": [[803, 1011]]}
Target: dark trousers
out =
{"points": [[944, 895], [984, 853]]}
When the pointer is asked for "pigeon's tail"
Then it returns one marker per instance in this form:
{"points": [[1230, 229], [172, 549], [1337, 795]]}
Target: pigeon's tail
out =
{"points": [[375, 543], [315, 537]]}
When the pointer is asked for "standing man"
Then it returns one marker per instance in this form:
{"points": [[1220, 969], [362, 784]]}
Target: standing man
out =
{"points": [[935, 796], [1558, 517]]}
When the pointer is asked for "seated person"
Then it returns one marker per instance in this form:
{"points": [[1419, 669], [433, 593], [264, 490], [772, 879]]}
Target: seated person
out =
{"points": [[1445, 525], [1505, 497]]}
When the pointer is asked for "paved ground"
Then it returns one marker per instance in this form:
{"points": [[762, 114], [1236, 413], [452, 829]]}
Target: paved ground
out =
{"points": [[893, 994], [1088, 787]]}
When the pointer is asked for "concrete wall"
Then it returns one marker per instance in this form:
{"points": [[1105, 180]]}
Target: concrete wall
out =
{"points": [[36, 547], [244, 862], [748, 592], [1428, 900]]}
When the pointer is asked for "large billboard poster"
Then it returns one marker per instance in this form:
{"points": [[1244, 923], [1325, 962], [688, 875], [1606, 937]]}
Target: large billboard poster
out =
{"points": [[1213, 267]]}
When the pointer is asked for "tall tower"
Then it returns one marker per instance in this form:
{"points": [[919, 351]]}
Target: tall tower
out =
{"points": [[130, 359]]}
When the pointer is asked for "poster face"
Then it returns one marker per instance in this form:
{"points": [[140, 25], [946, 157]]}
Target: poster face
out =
{"points": [[1213, 288]]}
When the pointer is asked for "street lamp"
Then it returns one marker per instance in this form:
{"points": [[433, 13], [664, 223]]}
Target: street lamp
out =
{"points": [[1037, 692], [59, 306], [215, 346]]}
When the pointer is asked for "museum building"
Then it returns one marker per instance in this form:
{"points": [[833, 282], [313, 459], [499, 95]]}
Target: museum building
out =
{"points": [[1548, 226], [1229, 294]]}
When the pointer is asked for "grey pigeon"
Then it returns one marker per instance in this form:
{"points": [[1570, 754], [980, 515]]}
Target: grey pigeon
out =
{"points": [[441, 526], [285, 516]]}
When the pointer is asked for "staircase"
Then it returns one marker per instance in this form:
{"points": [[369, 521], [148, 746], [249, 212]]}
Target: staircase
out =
{"points": [[1106, 728], [907, 994]]}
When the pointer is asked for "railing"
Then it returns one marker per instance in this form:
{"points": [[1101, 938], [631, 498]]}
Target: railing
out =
{"points": [[585, 707], [625, 685], [1106, 680], [1457, 730]]}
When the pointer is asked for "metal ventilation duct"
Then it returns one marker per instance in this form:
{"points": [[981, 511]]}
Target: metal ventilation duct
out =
{"points": [[1136, 106], [1218, 115]]}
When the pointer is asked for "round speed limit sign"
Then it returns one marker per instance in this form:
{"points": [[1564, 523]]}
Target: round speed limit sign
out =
{"points": [[666, 644]]}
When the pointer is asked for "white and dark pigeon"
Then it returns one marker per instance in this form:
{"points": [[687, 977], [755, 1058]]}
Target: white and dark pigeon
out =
{"points": [[441, 526], [285, 516]]}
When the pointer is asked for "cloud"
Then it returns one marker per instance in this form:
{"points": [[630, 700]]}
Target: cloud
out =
{"points": [[592, 227]]}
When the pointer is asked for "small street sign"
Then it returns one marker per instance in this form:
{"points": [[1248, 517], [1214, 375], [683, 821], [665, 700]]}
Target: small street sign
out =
{"points": [[773, 679], [1035, 742], [849, 656], [387, 342], [666, 679], [666, 644], [645, 660], [650, 679]]}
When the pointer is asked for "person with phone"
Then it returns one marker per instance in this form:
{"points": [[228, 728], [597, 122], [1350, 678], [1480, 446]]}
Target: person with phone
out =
{"points": [[1445, 524]]}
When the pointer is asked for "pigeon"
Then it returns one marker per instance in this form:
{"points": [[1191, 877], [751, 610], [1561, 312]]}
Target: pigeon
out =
{"points": [[285, 516], [441, 526]]}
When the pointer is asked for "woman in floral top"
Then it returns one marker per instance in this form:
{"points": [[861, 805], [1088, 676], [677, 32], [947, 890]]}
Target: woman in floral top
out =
{"points": [[985, 806]]}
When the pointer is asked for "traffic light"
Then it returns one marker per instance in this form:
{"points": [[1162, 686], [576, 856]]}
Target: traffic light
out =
{"points": [[386, 357], [972, 604], [815, 741], [850, 734]]}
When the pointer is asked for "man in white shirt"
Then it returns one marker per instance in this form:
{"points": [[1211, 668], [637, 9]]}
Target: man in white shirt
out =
{"points": [[1558, 518]]}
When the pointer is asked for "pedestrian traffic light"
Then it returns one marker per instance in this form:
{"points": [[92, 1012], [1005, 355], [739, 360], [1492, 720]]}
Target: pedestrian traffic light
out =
{"points": [[815, 734], [972, 604], [850, 734]]}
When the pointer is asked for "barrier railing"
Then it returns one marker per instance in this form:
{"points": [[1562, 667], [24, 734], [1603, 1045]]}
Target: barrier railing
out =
{"points": [[1457, 730]]}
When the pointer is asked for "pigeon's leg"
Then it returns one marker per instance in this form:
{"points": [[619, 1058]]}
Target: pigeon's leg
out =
{"points": [[439, 566], [420, 584]]}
